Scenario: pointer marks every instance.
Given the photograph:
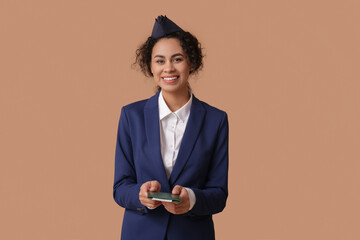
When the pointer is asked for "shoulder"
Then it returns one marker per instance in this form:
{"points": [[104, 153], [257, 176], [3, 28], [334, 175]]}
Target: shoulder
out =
{"points": [[142, 104], [212, 111], [215, 119], [138, 105]]}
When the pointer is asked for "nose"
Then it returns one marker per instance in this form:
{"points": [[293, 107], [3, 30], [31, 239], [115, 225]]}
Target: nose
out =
{"points": [[169, 66]]}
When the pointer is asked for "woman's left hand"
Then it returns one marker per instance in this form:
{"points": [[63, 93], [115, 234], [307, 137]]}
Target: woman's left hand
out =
{"points": [[181, 207]]}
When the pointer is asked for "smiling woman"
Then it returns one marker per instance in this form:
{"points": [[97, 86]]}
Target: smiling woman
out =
{"points": [[189, 44], [170, 68], [172, 143]]}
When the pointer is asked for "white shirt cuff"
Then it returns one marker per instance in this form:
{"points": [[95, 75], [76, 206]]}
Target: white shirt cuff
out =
{"points": [[192, 197]]}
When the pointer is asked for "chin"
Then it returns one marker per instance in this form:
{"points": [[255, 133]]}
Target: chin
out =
{"points": [[169, 89], [173, 88]]}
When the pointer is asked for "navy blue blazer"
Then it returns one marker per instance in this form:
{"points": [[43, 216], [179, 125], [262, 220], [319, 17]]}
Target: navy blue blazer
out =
{"points": [[202, 165]]}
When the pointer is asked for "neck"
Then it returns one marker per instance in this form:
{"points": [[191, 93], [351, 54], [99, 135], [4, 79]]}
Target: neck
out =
{"points": [[176, 100]]}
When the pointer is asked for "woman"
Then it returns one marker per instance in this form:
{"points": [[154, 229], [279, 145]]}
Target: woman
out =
{"points": [[171, 142]]}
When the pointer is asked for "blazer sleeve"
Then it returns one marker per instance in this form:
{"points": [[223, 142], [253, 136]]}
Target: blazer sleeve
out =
{"points": [[125, 189], [212, 198]]}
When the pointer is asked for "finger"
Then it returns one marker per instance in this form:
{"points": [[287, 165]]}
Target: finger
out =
{"points": [[145, 187], [177, 189], [183, 193], [155, 186], [168, 206], [153, 204], [144, 192], [174, 208], [148, 202]]}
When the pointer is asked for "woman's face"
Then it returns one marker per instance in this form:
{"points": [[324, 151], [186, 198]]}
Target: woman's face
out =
{"points": [[170, 66]]}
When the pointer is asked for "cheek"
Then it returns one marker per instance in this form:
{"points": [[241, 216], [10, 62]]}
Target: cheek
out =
{"points": [[155, 70], [186, 70]]}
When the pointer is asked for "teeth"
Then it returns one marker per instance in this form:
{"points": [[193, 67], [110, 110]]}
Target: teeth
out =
{"points": [[169, 79]]}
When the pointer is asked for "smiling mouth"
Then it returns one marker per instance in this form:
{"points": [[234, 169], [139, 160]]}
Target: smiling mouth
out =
{"points": [[170, 79]]}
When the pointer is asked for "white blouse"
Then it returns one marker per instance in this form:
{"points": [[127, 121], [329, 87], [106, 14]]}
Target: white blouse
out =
{"points": [[172, 128]]}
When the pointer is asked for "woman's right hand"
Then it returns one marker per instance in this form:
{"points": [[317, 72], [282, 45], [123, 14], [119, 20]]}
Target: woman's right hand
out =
{"points": [[150, 186]]}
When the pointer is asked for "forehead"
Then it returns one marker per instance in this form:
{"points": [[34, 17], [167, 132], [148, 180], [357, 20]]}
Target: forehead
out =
{"points": [[167, 46]]}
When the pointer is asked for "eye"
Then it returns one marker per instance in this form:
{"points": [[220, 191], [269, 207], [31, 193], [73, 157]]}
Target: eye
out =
{"points": [[160, 61], [177, 59]]}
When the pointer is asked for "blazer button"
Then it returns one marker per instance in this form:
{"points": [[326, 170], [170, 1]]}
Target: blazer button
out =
{"points": [[140, 209]]}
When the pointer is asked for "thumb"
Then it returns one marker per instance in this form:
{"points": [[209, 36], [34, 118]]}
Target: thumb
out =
{"points": [[155, 186], [145, 187], [177, 189]]}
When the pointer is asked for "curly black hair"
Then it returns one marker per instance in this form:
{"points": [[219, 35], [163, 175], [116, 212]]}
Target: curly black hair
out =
{"points": [[188, 42]]}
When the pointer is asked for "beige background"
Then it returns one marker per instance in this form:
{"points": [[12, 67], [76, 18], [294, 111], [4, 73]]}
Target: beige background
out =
{"points": [[287, 73]]}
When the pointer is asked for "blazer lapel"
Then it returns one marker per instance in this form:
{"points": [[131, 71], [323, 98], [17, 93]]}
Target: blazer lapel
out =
{"points": [[197, 114], [151, 114]]}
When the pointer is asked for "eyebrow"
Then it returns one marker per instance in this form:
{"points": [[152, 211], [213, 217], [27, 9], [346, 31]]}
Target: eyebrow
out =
{"points": [[174, 55]]}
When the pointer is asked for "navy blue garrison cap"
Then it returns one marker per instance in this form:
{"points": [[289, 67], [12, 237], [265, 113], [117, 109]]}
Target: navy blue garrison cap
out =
{"points": [[164, 26]]}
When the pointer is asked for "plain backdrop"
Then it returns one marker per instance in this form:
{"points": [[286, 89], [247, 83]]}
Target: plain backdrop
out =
{"points": [[286, 72]]}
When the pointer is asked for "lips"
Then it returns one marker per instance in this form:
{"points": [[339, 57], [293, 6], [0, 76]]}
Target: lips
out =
{"points": [[170, 79]]}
